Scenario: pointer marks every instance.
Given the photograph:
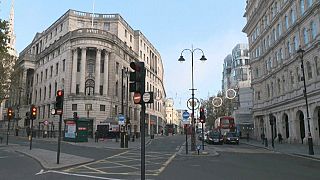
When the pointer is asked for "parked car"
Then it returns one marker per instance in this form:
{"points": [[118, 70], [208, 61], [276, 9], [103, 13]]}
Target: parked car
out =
{"points": [[231, 138], [214, 137]]}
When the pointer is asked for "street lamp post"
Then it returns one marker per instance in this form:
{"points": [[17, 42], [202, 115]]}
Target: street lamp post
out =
{"points": [[181, 59], [310, 143]]}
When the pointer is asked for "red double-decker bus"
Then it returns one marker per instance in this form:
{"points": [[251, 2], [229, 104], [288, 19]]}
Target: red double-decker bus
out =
{"points": [[225, 124]]}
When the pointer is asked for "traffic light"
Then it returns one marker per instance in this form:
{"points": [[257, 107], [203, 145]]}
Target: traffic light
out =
{"points": [[59, 100], [202, 116], [10, 113], [75, 116], [33, 111], [137, 78]]}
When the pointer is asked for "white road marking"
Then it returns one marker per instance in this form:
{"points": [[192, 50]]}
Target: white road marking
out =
{"points": [[3, 157], [73, 174], [167, 162]]}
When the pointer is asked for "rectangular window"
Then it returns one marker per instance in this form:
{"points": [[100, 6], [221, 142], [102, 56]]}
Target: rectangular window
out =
{"points": [[117, 68], [102, 107], [51, 70], [74, 107], [49, 111], [102, 66], [101, 90], [64, 65], [46, 73], [57, 68], [77, 88], [106, 26], [41, 76]]}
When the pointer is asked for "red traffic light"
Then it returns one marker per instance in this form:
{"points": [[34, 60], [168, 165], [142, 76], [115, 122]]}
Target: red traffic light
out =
{"points": [[10, 112], [34, 111], [59, 93]]}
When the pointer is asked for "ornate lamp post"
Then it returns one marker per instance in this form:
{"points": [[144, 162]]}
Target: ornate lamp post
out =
{"points": [[181, 59], [310, 143]]}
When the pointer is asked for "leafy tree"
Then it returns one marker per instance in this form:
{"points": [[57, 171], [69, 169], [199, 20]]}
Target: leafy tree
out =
{"points": [[6, 61], [214, 112]]}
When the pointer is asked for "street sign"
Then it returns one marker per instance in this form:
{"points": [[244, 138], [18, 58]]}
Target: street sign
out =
{"points": [[195, 103], [53, 111], [185, 115], [147, 97], [136, 98], [45, 122], [59, 111], [121, 119]]}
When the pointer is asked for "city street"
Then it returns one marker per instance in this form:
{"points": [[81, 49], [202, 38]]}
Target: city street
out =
{"points": [[165, 159]]}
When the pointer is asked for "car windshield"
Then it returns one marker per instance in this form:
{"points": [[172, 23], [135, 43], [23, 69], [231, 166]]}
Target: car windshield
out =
{"points": [[214, 134]]}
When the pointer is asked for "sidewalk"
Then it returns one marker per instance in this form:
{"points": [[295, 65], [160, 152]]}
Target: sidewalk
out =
{"points": [[285, 148]]}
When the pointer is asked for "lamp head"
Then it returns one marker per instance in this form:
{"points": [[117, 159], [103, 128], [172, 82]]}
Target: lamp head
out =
{"points": [[181, 59], [300, 52], [203, 58]]}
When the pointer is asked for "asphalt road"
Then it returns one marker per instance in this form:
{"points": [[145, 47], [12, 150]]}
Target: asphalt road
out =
{"points": [[164, 163], [241, 162]]}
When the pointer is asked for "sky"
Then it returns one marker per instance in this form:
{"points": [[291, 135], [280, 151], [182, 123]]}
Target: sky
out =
{"points": [[214, 26]]}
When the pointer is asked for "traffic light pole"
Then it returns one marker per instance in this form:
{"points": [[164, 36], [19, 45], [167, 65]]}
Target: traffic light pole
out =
{"points": [[8, 130], [142, 130], [59, 138], [202, 137], [31, 134]]}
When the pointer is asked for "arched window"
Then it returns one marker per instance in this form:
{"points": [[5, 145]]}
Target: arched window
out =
{"points": [[305, 36], [286, 21], [309, 70], [89, 87]]}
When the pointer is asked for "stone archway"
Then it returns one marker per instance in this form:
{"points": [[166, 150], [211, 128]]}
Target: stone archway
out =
{"points": [[302, 129], [285, 122]]}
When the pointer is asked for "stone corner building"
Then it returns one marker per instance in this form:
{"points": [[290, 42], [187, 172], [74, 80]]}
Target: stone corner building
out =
{"points": [[88, 56], [276, 29]]}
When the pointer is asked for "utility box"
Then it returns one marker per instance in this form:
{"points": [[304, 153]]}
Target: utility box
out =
{"points": [[76, 130]]}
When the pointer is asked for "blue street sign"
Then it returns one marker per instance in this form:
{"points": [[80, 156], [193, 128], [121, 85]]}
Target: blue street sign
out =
{"points": [[121, 118], [185, 115]]}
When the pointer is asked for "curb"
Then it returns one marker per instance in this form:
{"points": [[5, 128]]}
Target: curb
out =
{"points": [[290, 154]]}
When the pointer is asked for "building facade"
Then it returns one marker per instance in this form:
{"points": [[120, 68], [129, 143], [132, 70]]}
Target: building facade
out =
{"points": [[276, 30], [173, 117], [88, 56], [237, 76]]}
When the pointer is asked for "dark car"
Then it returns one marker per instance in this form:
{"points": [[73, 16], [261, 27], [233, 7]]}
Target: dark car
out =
{"points": [[231, 138], [214, 137]]}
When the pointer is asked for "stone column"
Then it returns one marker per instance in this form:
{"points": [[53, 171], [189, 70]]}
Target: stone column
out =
{"points": [[83, 69], [74, 71], [106, 74], [97, 72]]}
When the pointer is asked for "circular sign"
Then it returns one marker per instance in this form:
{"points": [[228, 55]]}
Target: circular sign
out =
{"points": [[136, 97], [231, 93], [193, 104], [217, 101], [185, 115], [146, 97], [45, 122], [53, 111]]}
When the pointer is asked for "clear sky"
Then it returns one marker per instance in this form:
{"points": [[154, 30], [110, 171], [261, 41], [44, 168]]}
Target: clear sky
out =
{"points": [[214, 26]]}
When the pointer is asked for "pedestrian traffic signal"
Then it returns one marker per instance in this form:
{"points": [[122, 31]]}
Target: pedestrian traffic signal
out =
{"points": [[10, 113], [33, 111], [202, 116], [59, 100], [137, 77]]}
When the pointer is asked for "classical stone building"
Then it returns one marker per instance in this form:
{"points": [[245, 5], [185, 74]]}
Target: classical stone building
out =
{"points": [[88, 56], [237, 76], [276, 30]]}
